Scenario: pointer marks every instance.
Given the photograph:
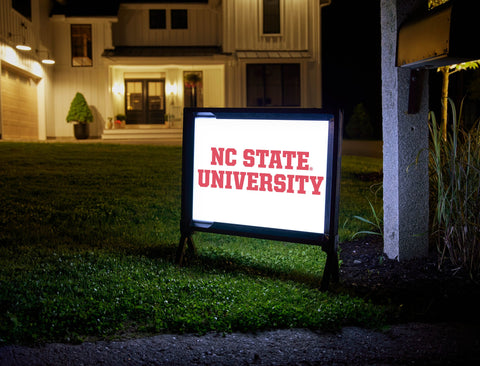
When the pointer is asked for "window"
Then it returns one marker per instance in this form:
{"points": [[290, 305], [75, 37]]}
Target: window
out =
{"points": [[271, 16], [158, 19], [272, 85], [81, 44], [24, 7], [179, 18]]}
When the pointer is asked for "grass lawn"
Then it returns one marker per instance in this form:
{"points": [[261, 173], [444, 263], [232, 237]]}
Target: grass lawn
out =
{"points": [[88, 234]]}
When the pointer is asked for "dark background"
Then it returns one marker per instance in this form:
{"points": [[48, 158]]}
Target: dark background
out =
{"points": [[351, 58]]}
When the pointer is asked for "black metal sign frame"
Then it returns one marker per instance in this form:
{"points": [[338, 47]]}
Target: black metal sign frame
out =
{"points": [[328, 240]]}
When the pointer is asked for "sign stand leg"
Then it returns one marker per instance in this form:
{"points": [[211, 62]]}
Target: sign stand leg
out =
{"points": [[331, 270], [186, 242]]}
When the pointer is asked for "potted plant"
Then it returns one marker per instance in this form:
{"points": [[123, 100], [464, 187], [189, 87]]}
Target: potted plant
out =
{"points": [[81, 115], [120, 120]]}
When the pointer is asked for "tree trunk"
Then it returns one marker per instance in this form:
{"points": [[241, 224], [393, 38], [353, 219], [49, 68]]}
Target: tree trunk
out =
{"points": [[444, 117]]}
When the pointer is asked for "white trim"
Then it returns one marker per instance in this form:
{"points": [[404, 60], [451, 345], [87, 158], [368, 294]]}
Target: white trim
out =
{"points": [[83, 20], [274, 55], [282, 21], [154, 6]]}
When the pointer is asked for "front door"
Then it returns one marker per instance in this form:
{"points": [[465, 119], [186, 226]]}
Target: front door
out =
{"points": [[145, 101]]}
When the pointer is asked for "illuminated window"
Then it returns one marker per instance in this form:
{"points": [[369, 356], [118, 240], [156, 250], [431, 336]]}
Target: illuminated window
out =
{"points": [[81, 44], [271, 16], [158, 19], [272, 85], [179, 18]]}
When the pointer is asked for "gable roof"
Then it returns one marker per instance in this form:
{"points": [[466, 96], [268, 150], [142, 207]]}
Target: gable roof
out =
{"points": [[163, 51], [85, 8], [99, 8]]}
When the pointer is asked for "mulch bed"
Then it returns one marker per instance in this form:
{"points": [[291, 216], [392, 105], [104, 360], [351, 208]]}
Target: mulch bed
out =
{"points": [[417, 288]]}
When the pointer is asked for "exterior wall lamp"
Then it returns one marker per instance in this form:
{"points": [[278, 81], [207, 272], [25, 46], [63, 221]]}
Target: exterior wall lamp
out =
{"points": [[45, 60], [172, 89], [22, 44]]}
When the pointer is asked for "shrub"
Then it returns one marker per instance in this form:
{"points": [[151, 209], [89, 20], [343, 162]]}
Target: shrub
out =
{"points": [[455, 184], [359, 125], [79, 110]]}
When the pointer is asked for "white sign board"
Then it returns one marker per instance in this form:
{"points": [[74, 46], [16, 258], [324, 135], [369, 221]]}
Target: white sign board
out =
{"points": [[267, 173]]}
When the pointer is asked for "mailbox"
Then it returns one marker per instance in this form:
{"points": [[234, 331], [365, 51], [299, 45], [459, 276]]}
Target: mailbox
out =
{"points": [[445, 36]]}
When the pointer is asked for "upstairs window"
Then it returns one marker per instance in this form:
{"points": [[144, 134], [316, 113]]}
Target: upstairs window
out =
{"points": [[24, 7], [179, 18], [158, 19], [271, 16], [81, 44]]}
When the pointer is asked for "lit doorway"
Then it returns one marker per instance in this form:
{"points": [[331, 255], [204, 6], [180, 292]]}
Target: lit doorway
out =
{"points": [[145, 101]]}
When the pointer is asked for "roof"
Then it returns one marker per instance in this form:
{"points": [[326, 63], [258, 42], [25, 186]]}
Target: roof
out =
{"points": [[100, 8], [165, 2], [163, 51], [85, 8], [274, 54]]}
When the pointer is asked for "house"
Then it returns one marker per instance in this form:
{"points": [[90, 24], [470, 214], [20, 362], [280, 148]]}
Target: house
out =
{"points": [[148, 60]]}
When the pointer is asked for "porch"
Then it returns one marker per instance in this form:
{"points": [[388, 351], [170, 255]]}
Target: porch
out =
{"points": [[144, 133]]}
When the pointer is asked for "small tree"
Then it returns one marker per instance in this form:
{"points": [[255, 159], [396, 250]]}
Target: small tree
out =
{"points": [[359, 125], [79, 110]]}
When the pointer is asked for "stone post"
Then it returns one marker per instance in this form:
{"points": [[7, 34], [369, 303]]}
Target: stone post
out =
{"points": [[405, 137]]}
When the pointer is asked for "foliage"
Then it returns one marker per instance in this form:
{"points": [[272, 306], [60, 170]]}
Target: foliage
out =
{"points": [[192, 79], [375, 222], [359, 125], [455, 181], [446, 72], [434, 3], [121, 117], [361, 183], [79, 264], [79, 110]]}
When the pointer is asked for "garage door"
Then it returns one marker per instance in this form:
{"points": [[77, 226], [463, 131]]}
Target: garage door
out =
{"points": [[19, 105]]}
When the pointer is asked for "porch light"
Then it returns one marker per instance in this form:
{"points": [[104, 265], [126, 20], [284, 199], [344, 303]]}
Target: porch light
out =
{"points": [[118, 88], [172, 89], [21, 45], [46, 60]]}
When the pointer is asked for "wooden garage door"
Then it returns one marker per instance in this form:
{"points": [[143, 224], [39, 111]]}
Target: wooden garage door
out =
{"points": [[19, 105]]}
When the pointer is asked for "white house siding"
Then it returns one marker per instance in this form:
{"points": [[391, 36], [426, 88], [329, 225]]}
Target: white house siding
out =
{"points": [[91, 81], [26, 64], [133, 29], [298, 42], [213, 83], [11, 29], [234, 25], [214, 87], [242, 28]]}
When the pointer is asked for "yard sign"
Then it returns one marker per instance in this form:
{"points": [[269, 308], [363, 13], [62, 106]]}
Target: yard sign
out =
{"points": [[266, 173]]}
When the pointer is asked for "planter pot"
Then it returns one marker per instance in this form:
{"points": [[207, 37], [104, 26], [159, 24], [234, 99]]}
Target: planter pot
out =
{"points": [[81, 131]]}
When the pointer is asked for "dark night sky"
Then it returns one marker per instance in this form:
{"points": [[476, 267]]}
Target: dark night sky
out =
{"points": [[351, 57]]}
